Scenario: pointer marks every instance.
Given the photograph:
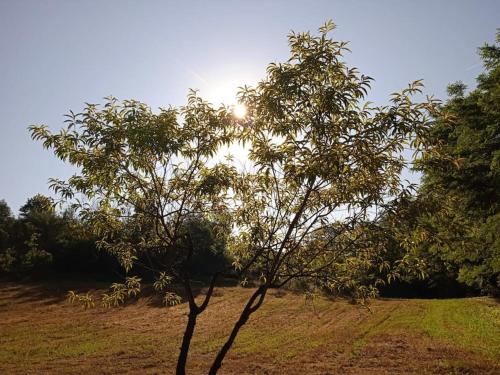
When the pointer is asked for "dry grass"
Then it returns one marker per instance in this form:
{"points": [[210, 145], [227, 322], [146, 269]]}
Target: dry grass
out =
{"points": [[40, 333]]}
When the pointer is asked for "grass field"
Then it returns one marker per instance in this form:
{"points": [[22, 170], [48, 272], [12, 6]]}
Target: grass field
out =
{"points": [[41, 333]]}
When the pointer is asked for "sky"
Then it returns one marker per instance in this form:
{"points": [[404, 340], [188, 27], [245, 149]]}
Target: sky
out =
{"points": [[57, 55]]}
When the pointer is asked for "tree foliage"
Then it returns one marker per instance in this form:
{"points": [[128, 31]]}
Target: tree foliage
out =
{"points": [[458, 233], [147, 178], [323, 165], [43, 242], [144, 175], [326, 162]]}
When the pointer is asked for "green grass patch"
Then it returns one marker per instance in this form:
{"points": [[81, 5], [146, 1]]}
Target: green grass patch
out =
{"points": [[27, 343], [472, 324]]}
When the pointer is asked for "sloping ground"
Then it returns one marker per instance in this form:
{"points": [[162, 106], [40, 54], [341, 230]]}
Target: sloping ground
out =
{"points": [[41, 333]]}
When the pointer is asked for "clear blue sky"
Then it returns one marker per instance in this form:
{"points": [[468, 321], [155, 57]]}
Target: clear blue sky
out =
{"points": [[56, 55]]}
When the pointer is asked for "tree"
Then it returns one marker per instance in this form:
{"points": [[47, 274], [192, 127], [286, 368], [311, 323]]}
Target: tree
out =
{"points": [[146, 177], [39, 227], [23, 241], [7, 258], [458, 233], [323, 166], [38, 204], [33, 238], [6, 221]]}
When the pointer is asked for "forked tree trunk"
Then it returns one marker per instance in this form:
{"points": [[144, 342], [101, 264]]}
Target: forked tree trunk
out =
{"points": [[249, 309], [186, 341], [194, 311]]}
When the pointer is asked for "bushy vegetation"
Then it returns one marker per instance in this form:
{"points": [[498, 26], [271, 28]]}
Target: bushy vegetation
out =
{"points": [[453, 223], [44, 243]]}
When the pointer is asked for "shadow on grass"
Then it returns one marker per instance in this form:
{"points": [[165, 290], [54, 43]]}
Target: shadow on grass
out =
{"points": [[55, 291]]}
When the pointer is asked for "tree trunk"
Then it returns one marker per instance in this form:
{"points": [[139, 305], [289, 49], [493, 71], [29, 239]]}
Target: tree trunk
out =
{"points": [[249, 309], [194, 311], [186, 341]]}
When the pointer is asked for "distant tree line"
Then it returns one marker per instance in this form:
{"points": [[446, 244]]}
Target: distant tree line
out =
{"points": [[42, 242]]}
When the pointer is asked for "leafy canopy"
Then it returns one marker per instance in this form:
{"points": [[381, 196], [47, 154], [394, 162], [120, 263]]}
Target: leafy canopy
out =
{"points": [[144, 175], [459, 232], [324, 163]]}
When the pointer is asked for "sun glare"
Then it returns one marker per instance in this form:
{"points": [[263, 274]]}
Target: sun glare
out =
{"points": [[240, 111]]}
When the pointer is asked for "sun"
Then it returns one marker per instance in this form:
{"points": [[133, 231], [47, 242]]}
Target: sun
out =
{"points": [[240, 111], [226, 93]]}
